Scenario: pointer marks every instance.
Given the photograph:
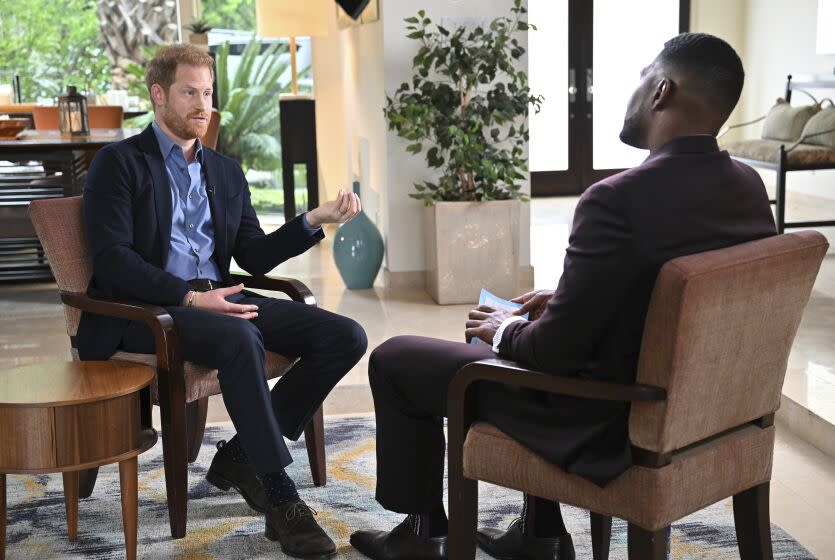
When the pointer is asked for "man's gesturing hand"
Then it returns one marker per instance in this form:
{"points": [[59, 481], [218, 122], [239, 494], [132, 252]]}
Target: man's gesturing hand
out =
{"points": [[215, 300], [337, 211], [484, 322]]}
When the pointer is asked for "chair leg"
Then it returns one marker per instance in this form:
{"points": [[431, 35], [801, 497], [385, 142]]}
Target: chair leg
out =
{"points": [[71, 503], [647, 545], [174, 453], [2, 516], [463, 517], [195, 426], [780, 194], [753, 524], [601, 535], [314, 438], [87, 482]]}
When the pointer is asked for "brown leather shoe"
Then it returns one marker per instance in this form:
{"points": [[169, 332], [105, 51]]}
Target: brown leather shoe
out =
{"points": [[224, 473], [401, 543], [294, 526], [513, 545]]}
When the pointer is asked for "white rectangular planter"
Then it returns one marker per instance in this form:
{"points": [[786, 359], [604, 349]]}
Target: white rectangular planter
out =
{"points": [[469, 246]]}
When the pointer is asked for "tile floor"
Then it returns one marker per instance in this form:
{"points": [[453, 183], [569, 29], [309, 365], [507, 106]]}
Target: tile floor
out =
{"points": [[32, 329]]}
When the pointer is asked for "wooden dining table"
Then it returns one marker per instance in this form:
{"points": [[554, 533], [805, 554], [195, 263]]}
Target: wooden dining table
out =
{"points": [[40, 164]]}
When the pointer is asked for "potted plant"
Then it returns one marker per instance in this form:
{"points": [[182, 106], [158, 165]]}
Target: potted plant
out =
{"points": [[466, 109], [199, 32]]}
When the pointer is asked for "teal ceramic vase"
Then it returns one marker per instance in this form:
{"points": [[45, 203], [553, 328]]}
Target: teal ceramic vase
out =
{"points": [[358, 250]]}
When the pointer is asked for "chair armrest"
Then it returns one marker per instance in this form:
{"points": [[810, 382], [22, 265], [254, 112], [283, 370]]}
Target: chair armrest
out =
{"points": [[290, 286], [166, 338], [803, 138], [120, 309], [511, 373], [462, 404]]}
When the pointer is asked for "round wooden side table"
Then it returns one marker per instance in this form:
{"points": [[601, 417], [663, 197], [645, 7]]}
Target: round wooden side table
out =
{"points": [[72, 416]]}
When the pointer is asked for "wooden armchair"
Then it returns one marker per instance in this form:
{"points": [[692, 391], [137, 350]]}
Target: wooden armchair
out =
{"points": [[181, 388], [718, 334]]}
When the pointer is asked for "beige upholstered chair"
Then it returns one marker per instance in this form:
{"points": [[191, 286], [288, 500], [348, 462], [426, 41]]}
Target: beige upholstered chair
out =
{"points": [[181, 388], [718, 334]]}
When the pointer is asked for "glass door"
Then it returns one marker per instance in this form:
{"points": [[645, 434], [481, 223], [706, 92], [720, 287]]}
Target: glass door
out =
{"points": [[585, 59]]}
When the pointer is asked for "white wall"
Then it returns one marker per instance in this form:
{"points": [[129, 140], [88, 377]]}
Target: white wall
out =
{"points": [[726, 19], [353, 70], [403, 225]]}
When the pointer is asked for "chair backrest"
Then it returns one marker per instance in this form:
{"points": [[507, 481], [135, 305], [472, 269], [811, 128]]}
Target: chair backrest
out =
{"points": [[718, 334], [105, 116], [99, 116], [59, 223], [210, 138], [45, 118]]}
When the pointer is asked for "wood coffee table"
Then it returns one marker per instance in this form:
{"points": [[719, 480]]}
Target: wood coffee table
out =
{"points": [[68, 417]]}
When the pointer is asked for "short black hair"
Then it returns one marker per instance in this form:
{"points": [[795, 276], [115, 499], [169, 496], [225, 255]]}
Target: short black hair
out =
{"points": [[711, 61]]}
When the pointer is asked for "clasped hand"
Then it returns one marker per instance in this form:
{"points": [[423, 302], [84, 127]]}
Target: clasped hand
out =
{"points": [[484, 321], [215, 300]]}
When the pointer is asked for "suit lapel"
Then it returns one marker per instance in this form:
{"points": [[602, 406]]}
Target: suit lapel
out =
{"points": [[162, 189], [217, 203]]}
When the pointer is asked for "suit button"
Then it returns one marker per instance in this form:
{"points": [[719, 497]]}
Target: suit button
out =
{"points": [[191, 226]]}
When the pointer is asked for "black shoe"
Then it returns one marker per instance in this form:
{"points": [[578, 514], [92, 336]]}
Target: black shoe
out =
{"points": [[225, 473], [513, 545], [293, 525], [401, 543]]}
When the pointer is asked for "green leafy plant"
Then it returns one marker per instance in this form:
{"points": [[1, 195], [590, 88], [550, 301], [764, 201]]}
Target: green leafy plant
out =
{"points": [[136, 86], [467, 107], [52, 44], [231, 14], [199, 26], [249, 103]]}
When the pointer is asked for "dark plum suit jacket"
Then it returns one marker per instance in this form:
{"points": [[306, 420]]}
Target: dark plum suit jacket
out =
{"points": [[687, 197]]}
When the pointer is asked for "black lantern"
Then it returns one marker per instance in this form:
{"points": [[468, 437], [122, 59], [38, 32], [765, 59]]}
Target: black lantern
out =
{"points": [[72, 109]]}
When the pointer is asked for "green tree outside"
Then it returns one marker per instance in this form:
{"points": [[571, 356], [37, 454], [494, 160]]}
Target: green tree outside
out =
{"points": [[52, 44], [230, 14]]}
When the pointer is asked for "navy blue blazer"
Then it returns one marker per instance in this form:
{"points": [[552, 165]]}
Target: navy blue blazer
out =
{"points": [[128, 215]]}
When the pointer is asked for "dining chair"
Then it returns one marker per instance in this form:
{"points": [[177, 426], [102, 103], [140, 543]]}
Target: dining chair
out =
{"points": [[99, 116]]}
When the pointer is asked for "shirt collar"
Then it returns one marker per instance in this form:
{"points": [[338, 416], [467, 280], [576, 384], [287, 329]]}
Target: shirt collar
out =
{"points": [[166, 144], [693, 144]]}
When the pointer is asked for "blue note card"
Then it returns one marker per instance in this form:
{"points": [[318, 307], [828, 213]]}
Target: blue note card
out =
{"points": [[494, 301]]}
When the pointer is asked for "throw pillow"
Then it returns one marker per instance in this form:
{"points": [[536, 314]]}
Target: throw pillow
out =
{"points": [[823, 121], [785, 122]]}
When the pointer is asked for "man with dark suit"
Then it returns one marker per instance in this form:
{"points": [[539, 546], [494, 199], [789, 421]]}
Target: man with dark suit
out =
{"points": [[687, 197], [164, 216]]}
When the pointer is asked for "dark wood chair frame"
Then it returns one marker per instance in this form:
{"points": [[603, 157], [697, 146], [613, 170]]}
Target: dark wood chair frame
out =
{"points": [[183, 423], [751, 514], [782, 166]]}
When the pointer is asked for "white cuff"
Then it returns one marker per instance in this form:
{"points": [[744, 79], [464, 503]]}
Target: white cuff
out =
{"points": [[497, 338]]}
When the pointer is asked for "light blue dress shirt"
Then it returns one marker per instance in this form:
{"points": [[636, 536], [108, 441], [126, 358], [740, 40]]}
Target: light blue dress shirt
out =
{"points": [[192, 230]]}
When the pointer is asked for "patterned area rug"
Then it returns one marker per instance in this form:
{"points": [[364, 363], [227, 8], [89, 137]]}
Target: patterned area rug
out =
{"points": [[220, 525]]}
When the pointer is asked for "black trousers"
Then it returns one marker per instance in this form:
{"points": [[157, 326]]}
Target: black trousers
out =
{"points": [[409, 378], [327, 344]]}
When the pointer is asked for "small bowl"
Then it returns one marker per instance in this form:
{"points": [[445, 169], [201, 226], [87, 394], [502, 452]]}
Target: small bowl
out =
{"points": [[9, 128]]}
